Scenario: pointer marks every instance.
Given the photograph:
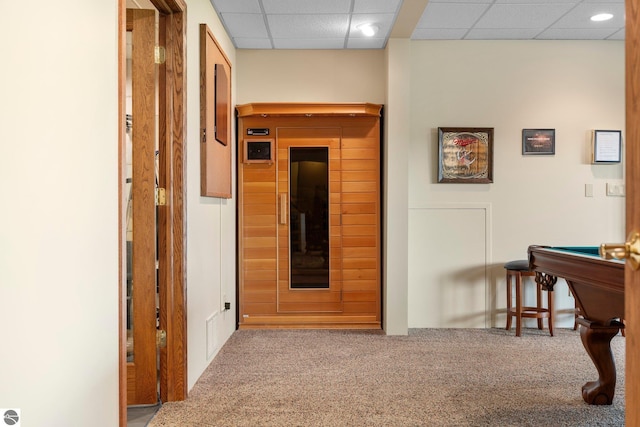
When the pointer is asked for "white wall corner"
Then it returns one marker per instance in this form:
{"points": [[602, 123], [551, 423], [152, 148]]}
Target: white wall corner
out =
{"points": [[395, 188]]}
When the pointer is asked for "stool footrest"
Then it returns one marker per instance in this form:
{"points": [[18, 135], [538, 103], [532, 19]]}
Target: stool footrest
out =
{"points": [[532, 312]]}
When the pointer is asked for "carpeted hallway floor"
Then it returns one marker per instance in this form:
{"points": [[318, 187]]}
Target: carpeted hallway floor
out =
{"points": [[432, 377]]}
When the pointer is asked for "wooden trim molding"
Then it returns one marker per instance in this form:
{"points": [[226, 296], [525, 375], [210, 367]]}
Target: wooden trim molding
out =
{"points": [[122, 290], [308, 109]]}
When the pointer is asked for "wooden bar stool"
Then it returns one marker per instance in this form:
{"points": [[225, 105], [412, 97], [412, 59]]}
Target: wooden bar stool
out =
{"points": [[518, 270]]}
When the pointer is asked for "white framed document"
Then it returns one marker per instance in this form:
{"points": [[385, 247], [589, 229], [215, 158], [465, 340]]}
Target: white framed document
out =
{"points": [[607, 146]]}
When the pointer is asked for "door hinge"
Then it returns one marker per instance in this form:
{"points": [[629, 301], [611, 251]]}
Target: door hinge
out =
{"points": [[204, 134], [161, 197], [159, 54], [161, 338]]}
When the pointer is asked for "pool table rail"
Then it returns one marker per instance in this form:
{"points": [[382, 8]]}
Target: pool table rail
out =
{"points": [[597, 284]]}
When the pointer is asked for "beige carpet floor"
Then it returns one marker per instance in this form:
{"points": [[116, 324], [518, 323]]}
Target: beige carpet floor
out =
{"points": [[432, 377]]}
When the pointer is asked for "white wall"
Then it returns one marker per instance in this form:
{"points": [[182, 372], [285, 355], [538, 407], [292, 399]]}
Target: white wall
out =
{"points": [[59, 235], [310, 76], [397, 126], [211, 222], [571, 86]]}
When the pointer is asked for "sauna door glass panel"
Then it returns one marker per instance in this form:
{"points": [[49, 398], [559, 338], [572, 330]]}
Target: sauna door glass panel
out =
{"points": [[309, 217]]}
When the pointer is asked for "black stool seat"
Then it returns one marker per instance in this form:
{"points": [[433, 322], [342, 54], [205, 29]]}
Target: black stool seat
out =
{"points": [[519, 265], [517, 270]]}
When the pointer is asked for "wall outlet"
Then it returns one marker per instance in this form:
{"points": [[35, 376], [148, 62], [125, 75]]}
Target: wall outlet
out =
{"points": [[615, 189]]}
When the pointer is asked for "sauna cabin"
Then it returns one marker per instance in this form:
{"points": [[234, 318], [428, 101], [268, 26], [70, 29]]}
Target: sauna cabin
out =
{"points": [[309, 228]]}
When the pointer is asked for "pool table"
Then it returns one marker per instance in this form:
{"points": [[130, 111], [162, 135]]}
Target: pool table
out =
{"points": [[598, 287]]}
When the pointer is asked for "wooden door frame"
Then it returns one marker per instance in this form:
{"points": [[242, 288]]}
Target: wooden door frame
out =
{"points": [[171, 218], [632, 158]]}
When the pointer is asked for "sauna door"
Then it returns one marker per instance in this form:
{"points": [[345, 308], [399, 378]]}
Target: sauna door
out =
{"points": [[309, 272]]}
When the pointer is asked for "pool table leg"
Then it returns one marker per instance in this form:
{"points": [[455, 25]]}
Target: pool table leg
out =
{"points": [[596, 339]]}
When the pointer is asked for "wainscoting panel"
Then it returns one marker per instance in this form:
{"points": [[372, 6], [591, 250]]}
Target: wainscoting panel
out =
{"points": [[448, 257]]}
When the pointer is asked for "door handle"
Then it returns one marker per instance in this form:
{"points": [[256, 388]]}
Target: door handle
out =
{"points": [[283, 208], [629, 250]]}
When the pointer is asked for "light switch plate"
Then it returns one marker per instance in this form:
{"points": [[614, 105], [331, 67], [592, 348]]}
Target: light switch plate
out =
{"points": [[588, 190]]}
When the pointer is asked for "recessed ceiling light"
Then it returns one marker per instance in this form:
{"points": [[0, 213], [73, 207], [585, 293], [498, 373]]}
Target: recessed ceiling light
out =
{"points": [[601, 17], [368, 30]]}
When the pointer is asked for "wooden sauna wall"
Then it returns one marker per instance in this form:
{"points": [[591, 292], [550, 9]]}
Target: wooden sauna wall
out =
{"points": [[355, 172]]}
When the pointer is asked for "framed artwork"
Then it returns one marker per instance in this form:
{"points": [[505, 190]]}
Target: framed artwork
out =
{"points": [[538, 141], [465, 155], [607, 146]]}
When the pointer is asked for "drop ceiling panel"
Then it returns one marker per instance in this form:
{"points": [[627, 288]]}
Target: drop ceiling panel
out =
{"points": [[520, 16], [332, 24], [502, 34], [246, 25], [299, 43], [462, 1], [537, 2], [581, 14], [575, 34], [384, 22], [451, 15], [303, 7], [376, 6], [308, 26], [235, 6], [439, 33]]}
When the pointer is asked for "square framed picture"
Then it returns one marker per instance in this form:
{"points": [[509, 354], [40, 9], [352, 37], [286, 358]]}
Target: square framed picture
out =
{"points": [[539, 142], [607, 146], [465, 155]]}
